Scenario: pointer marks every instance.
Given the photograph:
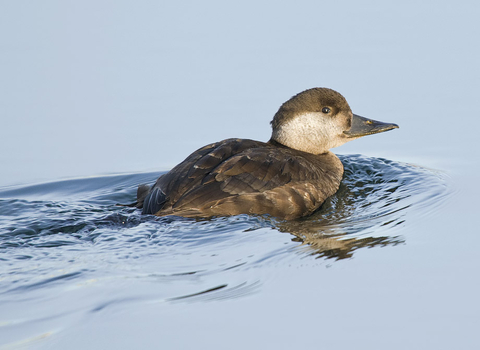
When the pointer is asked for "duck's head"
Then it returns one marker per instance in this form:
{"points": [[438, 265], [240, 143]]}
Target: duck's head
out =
{"points": [[318, 119]]}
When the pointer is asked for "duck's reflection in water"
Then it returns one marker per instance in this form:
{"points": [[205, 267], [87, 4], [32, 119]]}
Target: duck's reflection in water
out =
{"points": [[337, 245], [374, 198], [339, 236]]}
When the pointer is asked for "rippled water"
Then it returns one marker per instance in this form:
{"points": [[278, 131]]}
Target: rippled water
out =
{"points": [[69, 241]]}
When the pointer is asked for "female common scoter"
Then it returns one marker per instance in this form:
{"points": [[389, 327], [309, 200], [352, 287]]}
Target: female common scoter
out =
{"points": [[288, 177]]}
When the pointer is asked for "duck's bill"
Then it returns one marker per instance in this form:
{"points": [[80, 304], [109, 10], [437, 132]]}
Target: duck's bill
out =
{"points": [[362, 126]]}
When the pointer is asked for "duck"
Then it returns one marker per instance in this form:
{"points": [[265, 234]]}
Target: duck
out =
{"points": [[288, 177]]}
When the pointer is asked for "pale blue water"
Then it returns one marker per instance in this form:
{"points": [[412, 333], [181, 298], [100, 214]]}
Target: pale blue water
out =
{"points": [[69, 244], [97, 97]]}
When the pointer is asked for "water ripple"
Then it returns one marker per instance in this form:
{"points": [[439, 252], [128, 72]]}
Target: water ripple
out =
{"points": [[64, 227]]}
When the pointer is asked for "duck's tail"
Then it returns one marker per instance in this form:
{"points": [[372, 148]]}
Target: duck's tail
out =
{"points": [[151, 200], [142, 192]]}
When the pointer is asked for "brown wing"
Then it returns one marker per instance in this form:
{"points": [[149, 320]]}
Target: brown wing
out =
{"points": [[244, 176], [188, 174]]}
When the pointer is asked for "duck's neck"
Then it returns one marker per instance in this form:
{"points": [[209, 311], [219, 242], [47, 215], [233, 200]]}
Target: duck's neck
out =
{"points": [[276, 143], [281, 145]]}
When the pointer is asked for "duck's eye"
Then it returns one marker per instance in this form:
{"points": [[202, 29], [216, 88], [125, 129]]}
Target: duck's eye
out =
{"points": [[326, 110]]}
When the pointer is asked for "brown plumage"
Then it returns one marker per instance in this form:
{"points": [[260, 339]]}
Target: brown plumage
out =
{"points": [[240, 176]]}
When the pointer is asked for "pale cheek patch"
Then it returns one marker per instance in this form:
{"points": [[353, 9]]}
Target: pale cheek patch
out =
{"points": [[310, 132]]}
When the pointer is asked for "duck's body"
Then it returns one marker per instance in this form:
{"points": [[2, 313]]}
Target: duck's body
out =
{"points": [[237, 176], [288, 177]]}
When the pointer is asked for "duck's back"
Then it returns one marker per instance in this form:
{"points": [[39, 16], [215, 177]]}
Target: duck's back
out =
{"points": [[239, 176]]}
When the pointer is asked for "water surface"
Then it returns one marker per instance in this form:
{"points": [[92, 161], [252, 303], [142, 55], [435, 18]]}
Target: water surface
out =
{"points": [[68, 249]]}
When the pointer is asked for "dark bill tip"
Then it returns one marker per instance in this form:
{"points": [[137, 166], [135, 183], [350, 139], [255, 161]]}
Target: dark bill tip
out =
{"points": [[363, 126]]}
